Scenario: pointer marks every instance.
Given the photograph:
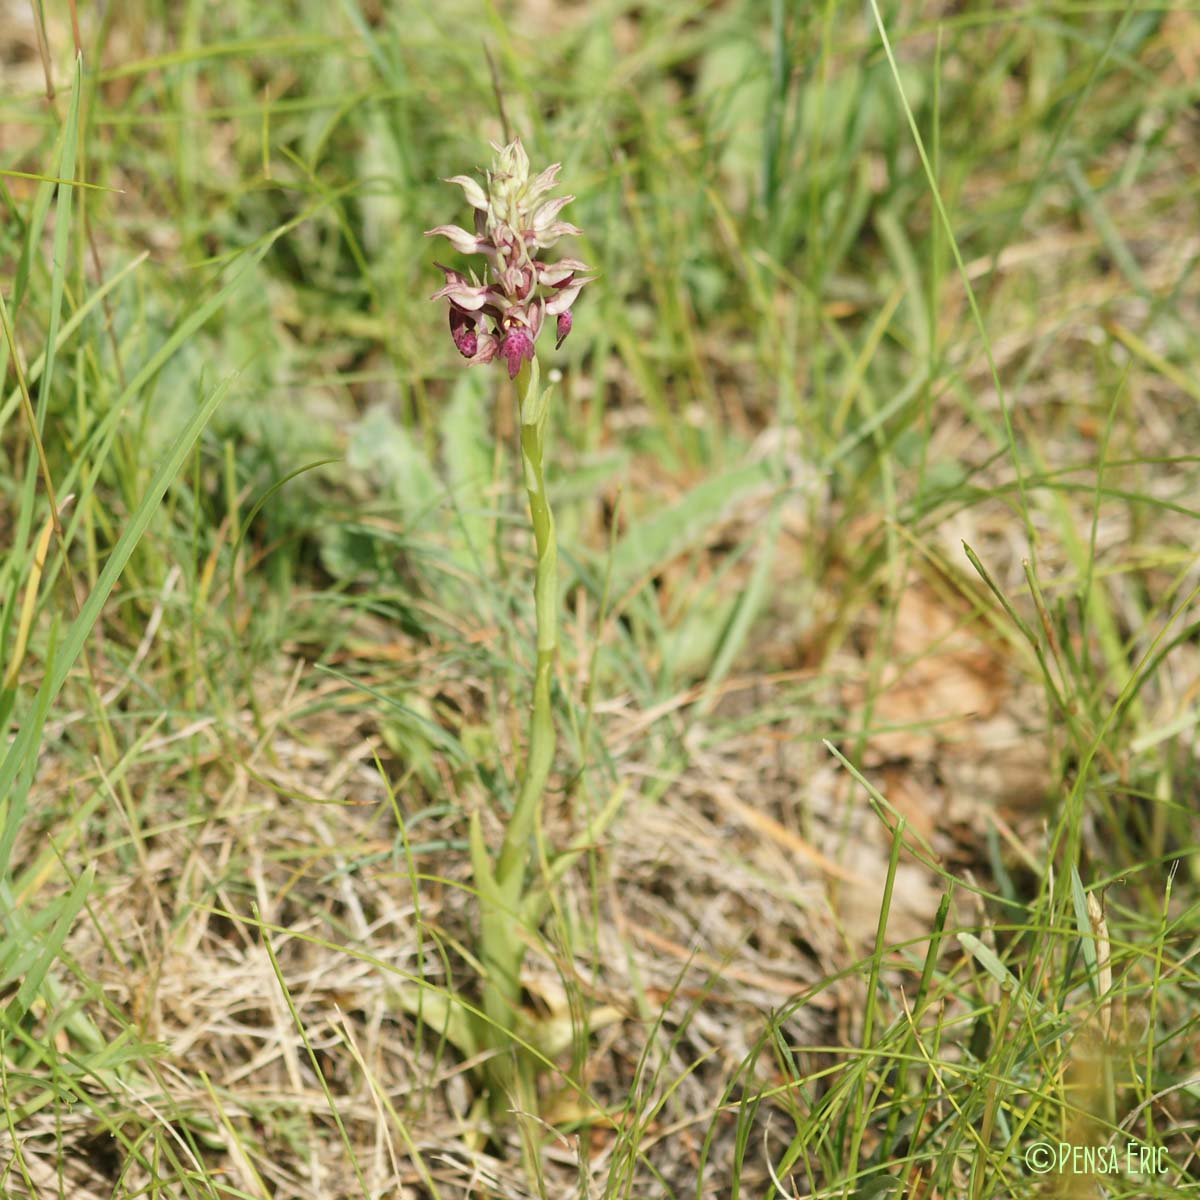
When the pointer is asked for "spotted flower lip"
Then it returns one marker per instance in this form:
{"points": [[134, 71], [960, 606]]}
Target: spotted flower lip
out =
{"points": [[516, 346], [503, 315]]}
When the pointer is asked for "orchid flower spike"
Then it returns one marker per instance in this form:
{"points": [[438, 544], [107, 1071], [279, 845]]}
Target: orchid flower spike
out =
{"points": [[503, 315]]}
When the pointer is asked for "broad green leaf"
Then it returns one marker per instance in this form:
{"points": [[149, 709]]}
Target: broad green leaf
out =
{"points": [[467, 448], [654, 540], [1084, 925], [691, 645], [499, 940], [988, 960], [447, 1016], [749, 603], [387, 453]]}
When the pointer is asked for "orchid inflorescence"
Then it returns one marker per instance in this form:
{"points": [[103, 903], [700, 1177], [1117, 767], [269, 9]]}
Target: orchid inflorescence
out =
{"points": [[512, 223]]}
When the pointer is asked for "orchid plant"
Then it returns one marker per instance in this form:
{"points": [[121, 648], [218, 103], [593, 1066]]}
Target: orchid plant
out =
{"points": [[512, 223], [499, 316]]}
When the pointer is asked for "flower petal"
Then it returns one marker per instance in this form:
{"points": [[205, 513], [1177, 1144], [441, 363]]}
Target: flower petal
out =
{"points": [[548, 211], [536, 312], [462, 295], [518, 281], [514, 162], [553, 274], [544, 182], [488, 346], [552, 233], [476, 196], [460, 239], [565, 296]]}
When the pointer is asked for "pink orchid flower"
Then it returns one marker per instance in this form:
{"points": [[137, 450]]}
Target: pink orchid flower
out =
{"points": [[503, 317]]}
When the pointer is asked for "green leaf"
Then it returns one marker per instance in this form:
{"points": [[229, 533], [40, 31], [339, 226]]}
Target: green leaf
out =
{"points": [[1084, 924], [481, 863], [652, 542], [535, 397], [499, 942], [987, 959], [748, 605], [500, 905], [467, 448], [448, 1016], [690, 645], [15, 797], [385, 451], [76, 319]]}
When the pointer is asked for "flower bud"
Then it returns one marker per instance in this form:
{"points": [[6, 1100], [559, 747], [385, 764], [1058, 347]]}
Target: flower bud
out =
{"points": [[462, 330], [565, 321]]}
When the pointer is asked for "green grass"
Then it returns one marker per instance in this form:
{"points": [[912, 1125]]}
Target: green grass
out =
{"points": [[872, 466]]}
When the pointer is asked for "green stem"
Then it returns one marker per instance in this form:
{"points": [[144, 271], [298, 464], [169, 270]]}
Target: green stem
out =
{"points": [[501, 951], [515, 851]]}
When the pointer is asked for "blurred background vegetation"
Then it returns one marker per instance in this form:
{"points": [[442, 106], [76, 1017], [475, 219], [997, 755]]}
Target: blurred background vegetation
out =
{"points": [[875, 282]]}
